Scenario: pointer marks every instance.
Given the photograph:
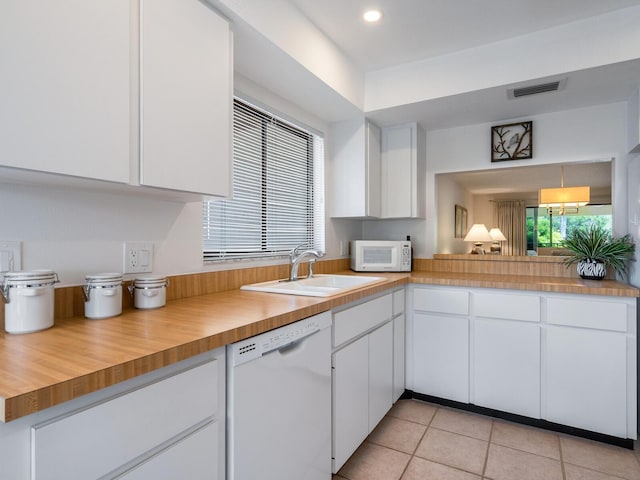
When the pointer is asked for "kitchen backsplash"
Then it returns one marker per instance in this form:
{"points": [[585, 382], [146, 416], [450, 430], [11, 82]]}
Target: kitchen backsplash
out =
{"points": [[69, 301]]}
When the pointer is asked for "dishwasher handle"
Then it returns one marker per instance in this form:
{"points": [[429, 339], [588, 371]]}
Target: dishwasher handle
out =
{"points": [[288, 347]]}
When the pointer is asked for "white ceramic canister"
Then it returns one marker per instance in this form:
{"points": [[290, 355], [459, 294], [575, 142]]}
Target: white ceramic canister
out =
{"points": [[103, 295], [149, 291], [29, 300]]}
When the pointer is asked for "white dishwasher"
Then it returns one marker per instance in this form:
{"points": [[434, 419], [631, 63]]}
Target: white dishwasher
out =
{"points": [[279, 403]]}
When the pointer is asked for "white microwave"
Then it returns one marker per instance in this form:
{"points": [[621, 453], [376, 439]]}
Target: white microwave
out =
{"points": [[380, 256]]}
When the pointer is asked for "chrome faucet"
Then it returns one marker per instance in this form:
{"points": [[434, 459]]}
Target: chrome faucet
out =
{"points": [[298, 257]]}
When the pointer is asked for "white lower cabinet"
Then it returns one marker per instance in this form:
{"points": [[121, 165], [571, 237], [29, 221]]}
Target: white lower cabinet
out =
{"points": [[171, 428], [590, 369], [362, 371], [566, 358], [586, 376], [441, 356], [380, 373], [441, 342], [399, 340], [505, 350], [506, 366], [350, 400], [190, 457]]}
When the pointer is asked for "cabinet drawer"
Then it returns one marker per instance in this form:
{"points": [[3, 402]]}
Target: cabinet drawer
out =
{"points": [[398, 302], [585, 313], [193, 457], [353, 321], [508, 307], [441, 300], [93, 442]]}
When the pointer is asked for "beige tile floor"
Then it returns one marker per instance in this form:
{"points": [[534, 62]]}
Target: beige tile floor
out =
{"points": [[422, 441]]}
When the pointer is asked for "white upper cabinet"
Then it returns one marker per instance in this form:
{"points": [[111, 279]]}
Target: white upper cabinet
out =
{"points": [[185, 97], [91, 92], [65, 87], [402, 171], [355, 169], [378, 173]]}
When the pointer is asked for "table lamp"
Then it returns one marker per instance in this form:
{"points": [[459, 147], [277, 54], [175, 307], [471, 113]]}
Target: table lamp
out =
{"points": [[478, 234], [497, 237]]}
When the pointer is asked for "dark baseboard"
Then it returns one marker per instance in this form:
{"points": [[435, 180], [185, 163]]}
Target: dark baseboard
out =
{"points": [[512, 417]]}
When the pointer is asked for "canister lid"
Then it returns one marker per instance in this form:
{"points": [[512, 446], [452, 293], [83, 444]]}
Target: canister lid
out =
{"points": [[30, 276], [150, 280], [103, 278]]}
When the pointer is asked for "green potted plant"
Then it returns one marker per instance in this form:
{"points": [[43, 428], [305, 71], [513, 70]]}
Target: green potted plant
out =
{"points": [[595, 249]]}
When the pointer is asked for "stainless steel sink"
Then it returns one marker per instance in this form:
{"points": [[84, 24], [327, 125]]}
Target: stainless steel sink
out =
{"points": [[316, 286]]}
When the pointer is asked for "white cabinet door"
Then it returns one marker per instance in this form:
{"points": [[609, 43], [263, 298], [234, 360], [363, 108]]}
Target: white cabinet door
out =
{"points": [[380, 373], [586, 379], [355, 169], [506, 366], [193, 457], [402, 190], [441, 356], [350, 400], [185, 97], [97, 440], [65, 84], [398, 356]]}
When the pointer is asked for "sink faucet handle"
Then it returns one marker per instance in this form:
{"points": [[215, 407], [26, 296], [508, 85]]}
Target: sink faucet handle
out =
{"points": [[311, 262], [295, 250]]}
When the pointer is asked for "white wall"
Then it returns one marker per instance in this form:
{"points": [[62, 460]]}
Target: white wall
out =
{"points": [[633, 179], [569, 136], [78, 232], [448, 195], [592, 42], [282, 24], [584, 134], [482, 211]]}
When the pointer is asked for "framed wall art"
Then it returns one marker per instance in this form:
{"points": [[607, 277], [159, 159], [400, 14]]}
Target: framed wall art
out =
{"points": [[513, 141], [460, 222]]}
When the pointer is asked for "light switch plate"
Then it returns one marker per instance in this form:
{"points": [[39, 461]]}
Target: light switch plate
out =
{"points": [[10, 255], [138, 257]]}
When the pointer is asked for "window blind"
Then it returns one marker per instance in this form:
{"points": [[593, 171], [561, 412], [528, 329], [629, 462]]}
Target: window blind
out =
{"points": [[278, 191]]}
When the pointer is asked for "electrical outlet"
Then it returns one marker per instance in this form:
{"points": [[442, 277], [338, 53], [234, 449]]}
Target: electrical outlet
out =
{"points": [[10, 255], [138, 257]]}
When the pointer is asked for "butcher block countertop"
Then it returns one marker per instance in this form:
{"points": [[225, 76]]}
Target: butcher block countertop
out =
{"points": [[523, 282], [78, 356]]}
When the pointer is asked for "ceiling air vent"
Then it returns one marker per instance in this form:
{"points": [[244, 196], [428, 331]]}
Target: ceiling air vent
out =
{"points": [[535, 89]]}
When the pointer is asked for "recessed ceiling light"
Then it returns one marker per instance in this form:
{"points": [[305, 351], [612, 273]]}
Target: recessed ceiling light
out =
{"points": [[372, 15]]}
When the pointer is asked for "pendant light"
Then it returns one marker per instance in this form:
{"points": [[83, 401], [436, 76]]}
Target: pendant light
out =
{"points": [[563, 197]]}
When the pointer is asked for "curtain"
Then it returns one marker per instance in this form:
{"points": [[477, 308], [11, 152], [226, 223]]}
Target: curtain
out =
{"points": [[510, 216]]}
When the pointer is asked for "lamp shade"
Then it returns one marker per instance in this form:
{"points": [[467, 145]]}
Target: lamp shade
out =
{"points": [[496, 235], [478, 233], [564, 197]]}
